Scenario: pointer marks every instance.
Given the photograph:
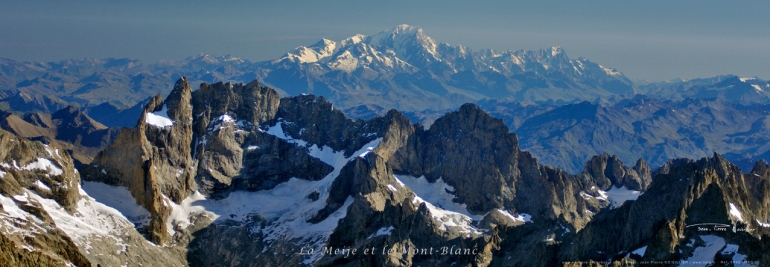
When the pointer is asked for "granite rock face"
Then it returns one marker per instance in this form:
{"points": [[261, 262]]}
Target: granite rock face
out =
{"points": [[46, 219], [607, 170], [46, 169], [153, 162], [476, 154], [225, 114]]}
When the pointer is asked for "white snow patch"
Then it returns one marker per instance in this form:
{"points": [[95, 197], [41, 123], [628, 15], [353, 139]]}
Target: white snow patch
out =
{"points": [[11, 209], [13, 217], [22, 198], [90, 219], [384, 231], [220, 122], [619, 195], [2, 174], [252, 147], [120, 199], [746, 79], [523, 217], [180, 213], [437, 194], [735, 212], [41, 185], [704, 256], [368, 149], [765, 225], [392, 188], [225, 118], [277, 131], [610, 72], [344, 62], [757, 87], [43, 164], [158, 119], [449, 219]]}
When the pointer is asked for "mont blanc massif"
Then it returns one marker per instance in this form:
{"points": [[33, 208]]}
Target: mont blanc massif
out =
{"points": [[380, 150]]}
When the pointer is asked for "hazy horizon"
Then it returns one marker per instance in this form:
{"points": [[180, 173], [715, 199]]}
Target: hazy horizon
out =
{"points": [[653, 40]]}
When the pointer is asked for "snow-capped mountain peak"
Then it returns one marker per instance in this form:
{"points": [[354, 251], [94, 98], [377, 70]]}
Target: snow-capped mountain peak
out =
{"points": [[407, 50], [408, 42], [352, 40], [314, 53]]}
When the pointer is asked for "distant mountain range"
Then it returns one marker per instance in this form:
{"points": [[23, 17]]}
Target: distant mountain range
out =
{"points": [[400, 68], [539, 94], [643, 127], [404, 68]]}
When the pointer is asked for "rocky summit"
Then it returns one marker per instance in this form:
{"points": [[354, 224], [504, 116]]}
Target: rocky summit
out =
{"points": [[230, 174]]}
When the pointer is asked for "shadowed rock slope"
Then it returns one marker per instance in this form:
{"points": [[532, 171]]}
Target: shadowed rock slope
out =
{"points": [[47, 219], [69, 128]]}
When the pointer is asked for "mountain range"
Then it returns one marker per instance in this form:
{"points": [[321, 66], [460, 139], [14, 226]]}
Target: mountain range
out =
{"points": [[403, 68], [231, 174]]}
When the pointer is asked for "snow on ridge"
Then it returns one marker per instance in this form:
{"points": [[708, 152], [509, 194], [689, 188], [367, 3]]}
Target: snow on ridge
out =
{"points": [[325, 153], [616, 195], [12, 210], [14, 215], [368, 149], [523, 217], [384, 231], [44, 164], [440, 205], [345, 62], [765, 225], [619, 195], [449, 219], [41, 185], [392, 188], [219, 122], [158, 119], [118, 198], [436, 194], [91, 219], [611, 72]]}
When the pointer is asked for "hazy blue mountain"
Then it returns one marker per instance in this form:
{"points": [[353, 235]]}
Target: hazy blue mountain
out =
{"points": [[731, 88], [656, 130]]}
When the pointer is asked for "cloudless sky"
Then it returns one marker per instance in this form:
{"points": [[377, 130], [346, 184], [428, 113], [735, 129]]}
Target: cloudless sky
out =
{"points": [[652, 40]]}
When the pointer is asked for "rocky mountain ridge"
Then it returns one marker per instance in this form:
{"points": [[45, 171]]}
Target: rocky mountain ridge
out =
{"points": [[82, 136], [230, 174]]}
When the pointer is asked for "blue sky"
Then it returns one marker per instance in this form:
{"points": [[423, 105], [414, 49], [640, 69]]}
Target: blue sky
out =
{"points": [[652, 40]]}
